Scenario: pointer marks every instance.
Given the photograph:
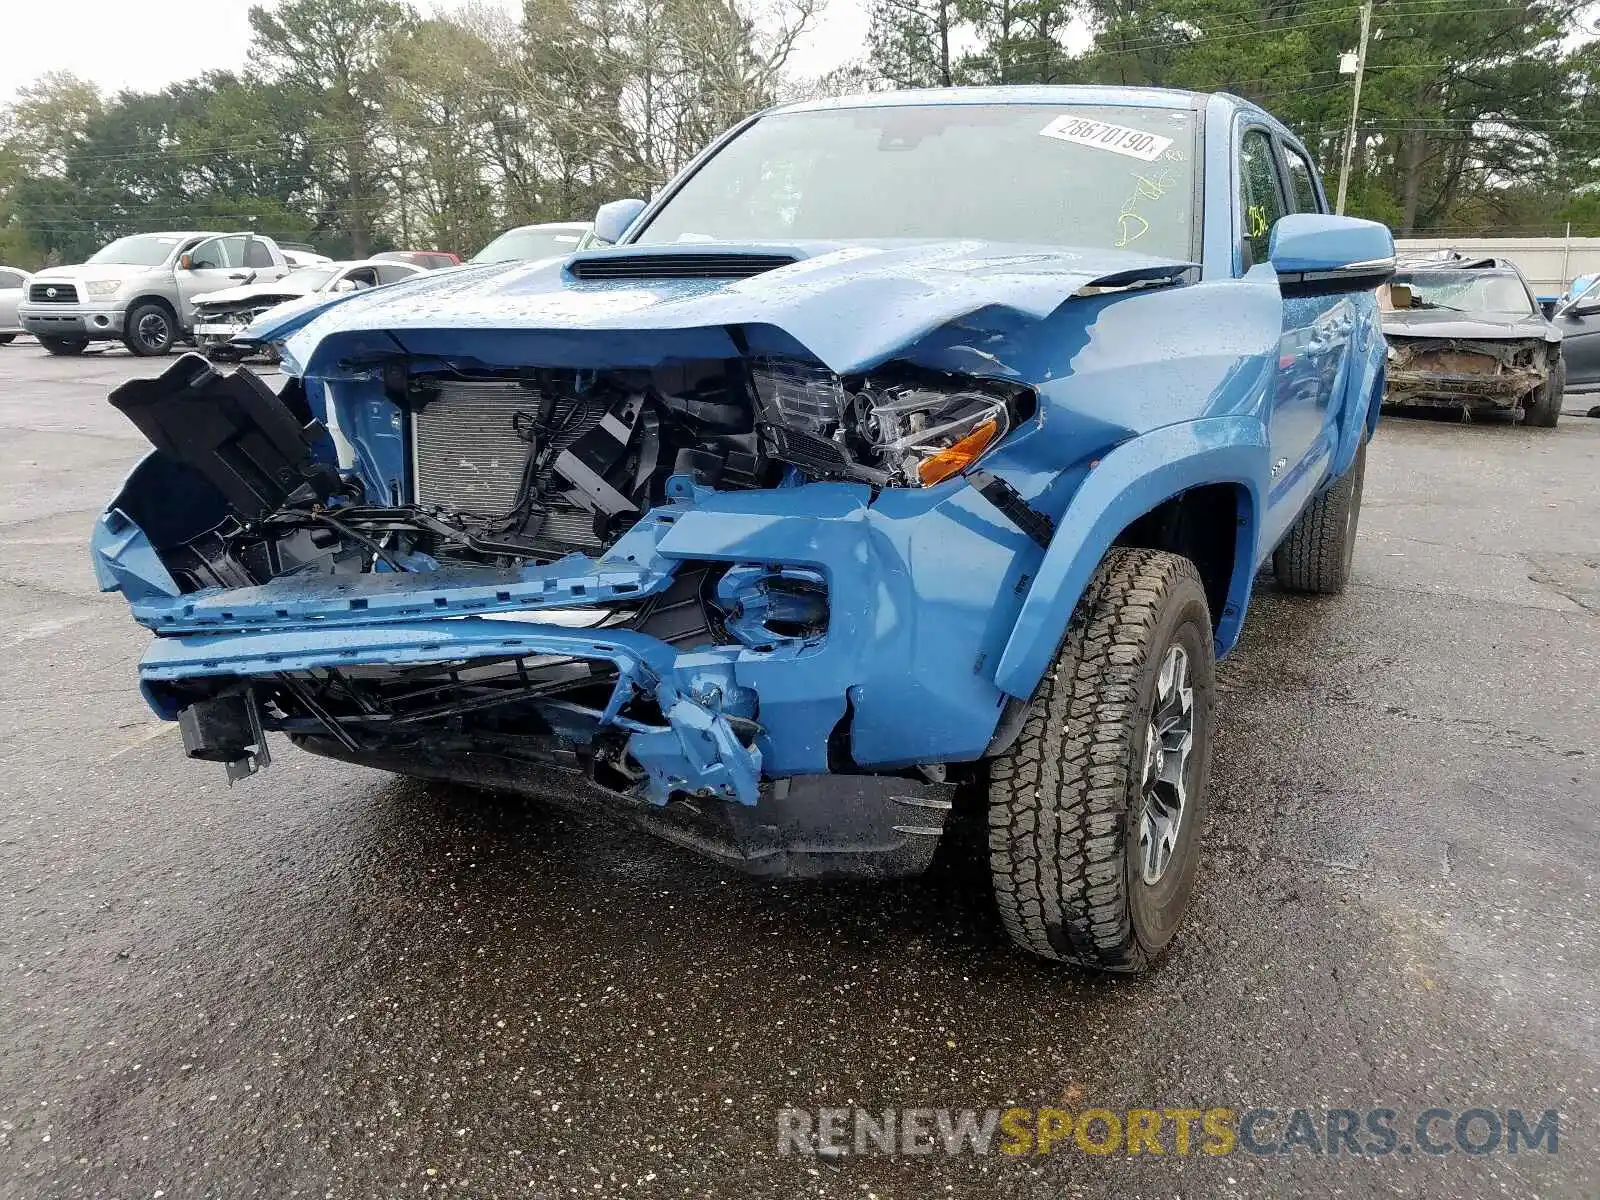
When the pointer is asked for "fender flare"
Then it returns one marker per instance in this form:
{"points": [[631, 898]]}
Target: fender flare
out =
{"points": [[1131, 480]]}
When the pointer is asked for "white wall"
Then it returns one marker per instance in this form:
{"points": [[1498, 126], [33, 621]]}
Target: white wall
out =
{"points": [[1549, 263]]}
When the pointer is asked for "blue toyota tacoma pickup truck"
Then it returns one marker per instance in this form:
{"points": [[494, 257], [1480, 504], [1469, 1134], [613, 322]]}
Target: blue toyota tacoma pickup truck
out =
{"points": [[903, 444]]}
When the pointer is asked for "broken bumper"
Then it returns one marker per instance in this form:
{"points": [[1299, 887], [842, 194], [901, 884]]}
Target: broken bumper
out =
{"points": [[1459, 372], [1425, 387], [218, 329], [922, 588], [806, 827]]}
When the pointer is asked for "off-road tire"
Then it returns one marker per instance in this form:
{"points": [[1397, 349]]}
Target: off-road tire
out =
{"points": [[1067, 798], [66, 347], [1315, 554], [140, 326], [1544, 406]]}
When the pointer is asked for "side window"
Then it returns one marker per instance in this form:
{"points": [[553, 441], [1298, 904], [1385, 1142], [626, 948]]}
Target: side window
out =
{"points": [[1260, 200], [207, 256], [1302, 182], [233, 250], [256, 254], [10, 279], [394, 273], [218, 253]]}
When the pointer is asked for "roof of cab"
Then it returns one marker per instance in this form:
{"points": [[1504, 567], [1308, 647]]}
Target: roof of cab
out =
{"points": [[1141, 97], [181, 233], [1064, 93]]}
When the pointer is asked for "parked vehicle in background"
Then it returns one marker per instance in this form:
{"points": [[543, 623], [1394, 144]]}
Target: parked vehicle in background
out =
{"points": [[13, 285], [1468, 334], [223, 315], [432, 260], [302, 256], [528, 243], [141, 290], [1578, 319], [772, 524], [1579, 286]]}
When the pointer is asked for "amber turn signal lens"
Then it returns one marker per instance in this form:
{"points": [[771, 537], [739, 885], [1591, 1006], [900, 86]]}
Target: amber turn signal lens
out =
{"points": [[959, 457]]}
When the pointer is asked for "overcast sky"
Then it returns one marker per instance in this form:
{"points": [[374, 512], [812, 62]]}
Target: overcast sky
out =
{"points": [[146, 44]]}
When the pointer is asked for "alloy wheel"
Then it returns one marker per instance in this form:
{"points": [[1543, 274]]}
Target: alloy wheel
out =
{"points": [[153, 331], [1169, 744]]}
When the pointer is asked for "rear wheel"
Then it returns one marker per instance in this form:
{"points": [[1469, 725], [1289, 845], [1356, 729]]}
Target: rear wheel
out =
{"points": [[1095, 811], [1544, 406], [149, 330], [67, 347], [1315, 554]]}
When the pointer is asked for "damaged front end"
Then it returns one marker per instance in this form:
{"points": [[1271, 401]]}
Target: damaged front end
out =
{"points": [[690, 590], [220, 327], [1457, 372]]}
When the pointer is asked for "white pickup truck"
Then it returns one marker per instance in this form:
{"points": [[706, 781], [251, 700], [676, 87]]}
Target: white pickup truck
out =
{"points": [[141, 290]]}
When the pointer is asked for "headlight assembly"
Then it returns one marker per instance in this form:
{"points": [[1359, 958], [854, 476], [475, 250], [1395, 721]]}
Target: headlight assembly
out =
{"points": [[101, 288], [890, 434], [920, 436]]}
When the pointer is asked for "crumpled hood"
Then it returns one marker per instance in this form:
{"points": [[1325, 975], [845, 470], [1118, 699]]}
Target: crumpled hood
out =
{"points": [[246, 292], [1446, 323], [851, 305]]}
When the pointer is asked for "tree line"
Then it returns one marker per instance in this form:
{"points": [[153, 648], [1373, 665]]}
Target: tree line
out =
{"points": [[1477, 116], [360, 125]]}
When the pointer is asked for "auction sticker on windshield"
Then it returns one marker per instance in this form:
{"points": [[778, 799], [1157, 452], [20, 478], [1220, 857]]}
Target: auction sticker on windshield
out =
{"points": [[1103, 135]]}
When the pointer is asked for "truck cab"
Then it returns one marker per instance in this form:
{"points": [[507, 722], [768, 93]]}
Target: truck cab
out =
{"points": [[141, 290]]}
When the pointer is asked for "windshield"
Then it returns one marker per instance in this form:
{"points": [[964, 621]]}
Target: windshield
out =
{"points": [[1468, 291], [1114, 178], [306, 278], [529, 244], [146, 250]]}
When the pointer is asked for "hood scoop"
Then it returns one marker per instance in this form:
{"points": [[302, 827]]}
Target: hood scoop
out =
{"points": [[677, 265]]}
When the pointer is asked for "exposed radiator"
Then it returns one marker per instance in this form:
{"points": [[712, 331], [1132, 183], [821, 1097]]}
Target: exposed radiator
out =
{"points": [[467, 456]]}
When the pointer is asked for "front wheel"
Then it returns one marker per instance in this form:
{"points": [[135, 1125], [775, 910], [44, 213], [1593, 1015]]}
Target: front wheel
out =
{"points": [[1095, 811], [150, 330], [1544, 406], [66, 347]]}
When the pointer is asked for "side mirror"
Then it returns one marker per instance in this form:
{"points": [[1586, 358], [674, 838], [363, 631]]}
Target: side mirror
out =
{"points": [[1316, 254], [185, 262], [611, 221]]}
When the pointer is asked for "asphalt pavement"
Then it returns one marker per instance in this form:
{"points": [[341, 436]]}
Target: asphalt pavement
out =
{"points": [[331, 982]]}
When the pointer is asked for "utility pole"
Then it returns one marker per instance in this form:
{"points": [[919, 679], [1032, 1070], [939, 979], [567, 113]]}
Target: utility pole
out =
{"points": [[1355, 105]]}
